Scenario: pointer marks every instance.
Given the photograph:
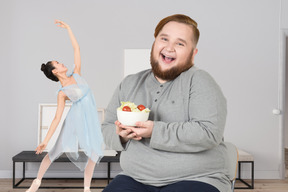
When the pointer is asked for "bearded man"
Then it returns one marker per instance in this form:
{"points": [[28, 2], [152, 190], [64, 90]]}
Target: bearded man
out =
{"points": [[180, 148]]}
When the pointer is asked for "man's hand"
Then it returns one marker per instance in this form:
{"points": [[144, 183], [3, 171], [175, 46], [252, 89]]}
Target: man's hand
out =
{"points": [[125, 132], [143, 129]]}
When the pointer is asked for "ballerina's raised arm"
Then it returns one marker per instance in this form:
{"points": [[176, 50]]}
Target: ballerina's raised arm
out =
{"points": [[77, 59]]}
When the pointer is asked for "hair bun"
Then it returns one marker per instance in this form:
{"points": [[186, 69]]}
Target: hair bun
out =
{"points": [[43, 66]]}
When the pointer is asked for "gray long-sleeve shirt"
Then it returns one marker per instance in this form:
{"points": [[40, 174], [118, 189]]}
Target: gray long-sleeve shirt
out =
{"points": [[189, 115]]}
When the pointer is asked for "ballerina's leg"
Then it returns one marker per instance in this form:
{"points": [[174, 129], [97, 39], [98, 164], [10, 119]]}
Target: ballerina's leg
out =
{"points": [[42, 170], [88, 175]]}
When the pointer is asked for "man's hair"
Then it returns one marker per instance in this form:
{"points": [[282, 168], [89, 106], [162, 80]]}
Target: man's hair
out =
{"points": [[180, 19]]}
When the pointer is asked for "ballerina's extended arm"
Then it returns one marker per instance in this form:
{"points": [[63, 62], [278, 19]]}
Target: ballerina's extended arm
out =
{"points": [[77, 59], [60, 108]]}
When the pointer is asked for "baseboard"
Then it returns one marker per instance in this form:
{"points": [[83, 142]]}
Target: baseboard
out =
{"points": [[60, 170], [5, 174], [56, 174], [246, 174]]}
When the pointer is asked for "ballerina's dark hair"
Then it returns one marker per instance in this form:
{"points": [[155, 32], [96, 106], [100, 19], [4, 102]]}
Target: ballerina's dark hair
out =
{"points": [[47, 69]]}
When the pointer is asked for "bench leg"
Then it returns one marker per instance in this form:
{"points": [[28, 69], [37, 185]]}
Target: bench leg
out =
{"points": [[15, 185], [13, 182], [252, 175], [24, 166], [108, 172], [239, 171]]}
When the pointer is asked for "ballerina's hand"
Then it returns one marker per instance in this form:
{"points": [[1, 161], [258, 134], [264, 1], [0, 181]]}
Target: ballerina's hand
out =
{"points": [[40, 148], [61, 24]]}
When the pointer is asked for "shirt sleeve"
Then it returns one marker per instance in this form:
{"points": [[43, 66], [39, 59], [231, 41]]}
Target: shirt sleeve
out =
{"points": [[111, 139], [207, 116]]}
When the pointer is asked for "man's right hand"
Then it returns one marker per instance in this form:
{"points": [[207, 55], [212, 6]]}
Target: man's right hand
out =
{"points": [[125, 133]]}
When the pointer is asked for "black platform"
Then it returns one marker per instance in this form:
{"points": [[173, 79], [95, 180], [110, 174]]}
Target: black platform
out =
{"points": [[30, 156]]}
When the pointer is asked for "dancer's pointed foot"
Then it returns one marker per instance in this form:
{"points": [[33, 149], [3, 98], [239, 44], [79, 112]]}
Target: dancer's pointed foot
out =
{"points": [[87, 189], [34, 186]]}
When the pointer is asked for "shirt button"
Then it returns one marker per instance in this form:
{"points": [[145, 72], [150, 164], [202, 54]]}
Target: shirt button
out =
{"points": [[158, 92], [161, 85], [155, 100]]}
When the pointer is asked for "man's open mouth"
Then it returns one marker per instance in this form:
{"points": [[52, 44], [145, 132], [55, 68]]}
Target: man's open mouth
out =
{"points": [[167, 59]]}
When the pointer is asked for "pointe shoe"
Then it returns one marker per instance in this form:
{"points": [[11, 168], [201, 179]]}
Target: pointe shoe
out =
{"points": [[34, 186], [87, 189]]}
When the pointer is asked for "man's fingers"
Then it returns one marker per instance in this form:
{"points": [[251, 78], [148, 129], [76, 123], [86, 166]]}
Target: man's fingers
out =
{"points": [[137, 138], [137, 130], [129, 134], [125, 133]]}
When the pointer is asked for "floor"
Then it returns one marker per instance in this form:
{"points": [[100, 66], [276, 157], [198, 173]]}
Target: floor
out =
{"points": [[260, 186]]}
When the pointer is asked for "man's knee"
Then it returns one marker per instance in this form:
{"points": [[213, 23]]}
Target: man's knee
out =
{"points": [[123, 183]]}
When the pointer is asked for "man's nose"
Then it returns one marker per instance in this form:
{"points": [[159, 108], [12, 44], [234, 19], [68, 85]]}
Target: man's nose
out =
{"points": [[170, 47]]}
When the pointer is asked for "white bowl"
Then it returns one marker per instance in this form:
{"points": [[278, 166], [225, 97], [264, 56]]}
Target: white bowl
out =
{"points": [[130, 118]]}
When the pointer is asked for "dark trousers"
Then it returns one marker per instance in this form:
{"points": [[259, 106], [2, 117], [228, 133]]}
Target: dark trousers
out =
{"points": [[122, 183]]}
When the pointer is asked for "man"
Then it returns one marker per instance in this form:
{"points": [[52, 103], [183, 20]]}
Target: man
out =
{"points": [[180, 147]]}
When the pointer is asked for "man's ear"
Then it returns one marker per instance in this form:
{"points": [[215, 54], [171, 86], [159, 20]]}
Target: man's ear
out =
{"points": [[195, 51]]}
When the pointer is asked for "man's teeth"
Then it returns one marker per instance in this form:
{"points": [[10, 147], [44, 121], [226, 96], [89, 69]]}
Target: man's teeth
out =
{"points": [[167, 58]]}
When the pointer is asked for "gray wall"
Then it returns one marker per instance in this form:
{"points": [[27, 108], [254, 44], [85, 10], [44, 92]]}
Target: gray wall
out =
{"points": [[239, 46]]}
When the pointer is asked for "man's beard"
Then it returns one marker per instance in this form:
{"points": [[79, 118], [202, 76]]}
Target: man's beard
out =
{"points": [[172, 73]]}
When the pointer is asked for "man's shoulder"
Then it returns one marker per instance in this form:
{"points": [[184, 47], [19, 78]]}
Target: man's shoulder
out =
{"points": [[195, 75], [194, 71]]}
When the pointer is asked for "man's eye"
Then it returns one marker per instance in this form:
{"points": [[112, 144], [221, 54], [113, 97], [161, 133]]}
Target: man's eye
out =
{"points": [[180, 44], [164, 39]]}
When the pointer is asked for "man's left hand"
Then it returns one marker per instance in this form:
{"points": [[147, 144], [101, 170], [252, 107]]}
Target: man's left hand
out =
{"points": [[143, 128]]}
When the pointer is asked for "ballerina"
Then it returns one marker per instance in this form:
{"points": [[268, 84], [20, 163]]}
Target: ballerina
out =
{"points": [[81, 128]]}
